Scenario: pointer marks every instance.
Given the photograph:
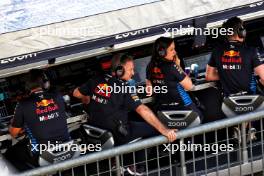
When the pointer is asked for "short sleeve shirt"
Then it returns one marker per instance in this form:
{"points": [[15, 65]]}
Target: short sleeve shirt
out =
{"points": [[166, 75], [110, 100], [43, 117], [235, 63]]}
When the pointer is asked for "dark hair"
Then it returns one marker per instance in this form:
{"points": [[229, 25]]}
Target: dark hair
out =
{"points": [[162, 42], [36, 78], [235, 23], [120, 59]]}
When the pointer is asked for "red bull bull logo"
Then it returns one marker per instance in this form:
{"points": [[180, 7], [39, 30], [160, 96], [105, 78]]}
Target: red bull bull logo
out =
{"points": [[232, 57], [157, 74], [232, 53], [45, 103], [156, 70]]}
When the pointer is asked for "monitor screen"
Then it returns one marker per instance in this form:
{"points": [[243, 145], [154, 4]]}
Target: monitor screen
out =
{"points": [[140, 69], [201, 60]]}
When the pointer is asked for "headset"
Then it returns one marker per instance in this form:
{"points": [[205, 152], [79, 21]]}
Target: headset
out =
{"points": [[241, 32], [118, 69], [38, 79], [161, 50], [45, 82]]}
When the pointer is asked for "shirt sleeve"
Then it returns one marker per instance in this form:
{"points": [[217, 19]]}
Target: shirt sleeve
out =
{"points": [[131, 101], [18, 120], [212, 62], [86, 89], [177, 72], [256, 59]]}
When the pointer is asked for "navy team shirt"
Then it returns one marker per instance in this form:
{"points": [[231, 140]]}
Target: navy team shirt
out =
{"points": [[43, 117], [106, 108], [167, 73], [235, 63]]}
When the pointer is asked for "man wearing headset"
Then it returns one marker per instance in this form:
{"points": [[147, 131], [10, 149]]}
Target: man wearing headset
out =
{"points": [[234, 63], [109, 110], [42, 116]]}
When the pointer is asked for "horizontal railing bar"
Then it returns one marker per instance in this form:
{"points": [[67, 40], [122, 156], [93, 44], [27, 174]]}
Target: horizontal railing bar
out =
{"points": [[142, 144]]}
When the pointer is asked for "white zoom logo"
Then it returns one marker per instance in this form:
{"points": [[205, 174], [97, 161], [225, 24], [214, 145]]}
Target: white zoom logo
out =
{"points": [[244, 109], [18, 58]]}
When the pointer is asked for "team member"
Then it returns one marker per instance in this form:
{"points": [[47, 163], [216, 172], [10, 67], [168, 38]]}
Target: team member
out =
{"points": [[164, 71], [109, 110], [234, 62], [42, 117]]}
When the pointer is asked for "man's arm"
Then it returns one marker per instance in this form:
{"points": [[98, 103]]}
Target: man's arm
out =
{"points": [[150, 117], [211, 73], [85, 99], [259, 70], [17, 122], [149, 87]]}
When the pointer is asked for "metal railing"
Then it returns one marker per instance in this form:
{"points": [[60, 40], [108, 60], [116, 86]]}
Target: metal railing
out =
{"points": [[245, 158]]}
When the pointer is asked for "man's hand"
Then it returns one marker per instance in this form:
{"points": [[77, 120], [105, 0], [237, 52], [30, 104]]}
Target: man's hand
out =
{"points": [[150, 118], [170, 134]]}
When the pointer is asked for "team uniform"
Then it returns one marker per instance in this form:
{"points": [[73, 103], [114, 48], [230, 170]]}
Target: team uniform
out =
{"points": [[109, 110], [168, 74], [235, 63], [42, 116]]}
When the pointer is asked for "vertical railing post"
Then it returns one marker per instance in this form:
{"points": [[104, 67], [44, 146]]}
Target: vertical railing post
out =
{"points": [[182, 154]]}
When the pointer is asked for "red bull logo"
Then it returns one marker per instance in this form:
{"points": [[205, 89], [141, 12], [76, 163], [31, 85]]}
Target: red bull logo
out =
{"points": [[232, 57], [45, 103], [156, 70], [103, 90], [232, 53], [157, 73]]}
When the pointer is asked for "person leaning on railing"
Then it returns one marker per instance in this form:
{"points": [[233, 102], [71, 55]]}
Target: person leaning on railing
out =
{"points": [[109, 110]]}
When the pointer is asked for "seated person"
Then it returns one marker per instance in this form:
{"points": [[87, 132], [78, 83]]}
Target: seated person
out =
{"points": [[109, 109], [42, 116], [164, 71]]}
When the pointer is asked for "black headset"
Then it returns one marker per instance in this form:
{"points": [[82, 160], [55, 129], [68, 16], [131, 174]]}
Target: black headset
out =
{"points": [[44, 82], [161, 50], [241, 32], [119, 70]]}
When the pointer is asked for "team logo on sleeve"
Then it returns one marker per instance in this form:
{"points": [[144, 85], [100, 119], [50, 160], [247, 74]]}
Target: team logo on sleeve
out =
{"points": [[179, 69], [231, 60]]}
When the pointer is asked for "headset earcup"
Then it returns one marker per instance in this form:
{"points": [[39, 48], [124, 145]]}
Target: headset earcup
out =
{"points": [[119, 71], [45, 83], [162, 53], [242, 32]]}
